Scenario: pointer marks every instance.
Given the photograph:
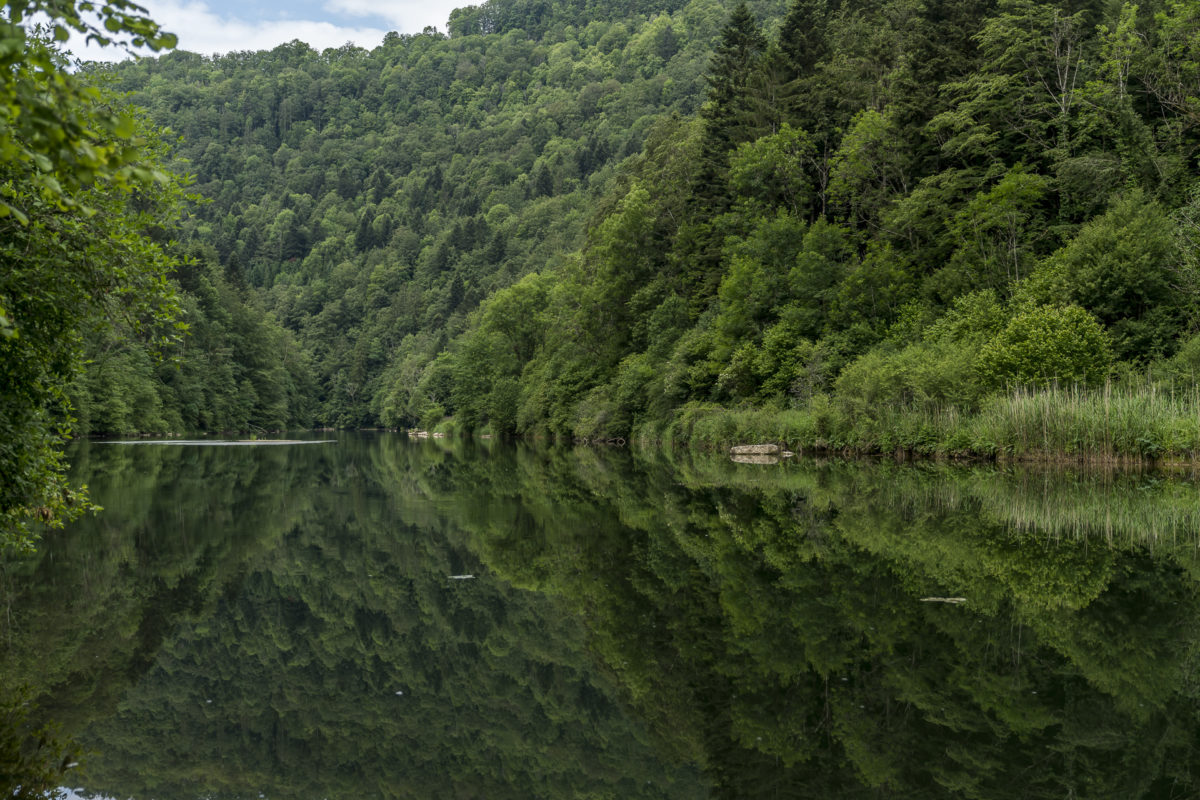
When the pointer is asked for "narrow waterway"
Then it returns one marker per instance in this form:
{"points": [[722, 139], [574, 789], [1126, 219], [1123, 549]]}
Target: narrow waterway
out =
{"points": [[381, 617]]}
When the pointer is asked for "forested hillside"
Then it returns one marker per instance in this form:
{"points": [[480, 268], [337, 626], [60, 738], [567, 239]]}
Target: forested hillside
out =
{"points": [[842, 223], [371, 200]]}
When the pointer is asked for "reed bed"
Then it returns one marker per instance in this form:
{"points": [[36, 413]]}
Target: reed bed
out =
{"points": [[1127, 422], [1116, 421]]}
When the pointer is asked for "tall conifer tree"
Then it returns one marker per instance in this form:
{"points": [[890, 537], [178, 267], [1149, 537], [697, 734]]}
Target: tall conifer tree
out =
{"points": [[802, 38], [731, 82]]}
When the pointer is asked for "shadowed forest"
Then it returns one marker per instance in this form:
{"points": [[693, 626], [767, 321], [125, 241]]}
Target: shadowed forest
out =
{"points": [[870, 220]]}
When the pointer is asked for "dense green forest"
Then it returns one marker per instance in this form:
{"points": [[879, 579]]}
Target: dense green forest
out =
{"points": [[369, 202], [842, 224], [880, 225], [884, 208]]}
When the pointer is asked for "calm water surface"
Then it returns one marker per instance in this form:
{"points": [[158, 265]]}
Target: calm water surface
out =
{"points": [[295, 622]]}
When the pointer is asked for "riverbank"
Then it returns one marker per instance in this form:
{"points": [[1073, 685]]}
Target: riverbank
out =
{"points": [[1114, 424], [1109, 424]]}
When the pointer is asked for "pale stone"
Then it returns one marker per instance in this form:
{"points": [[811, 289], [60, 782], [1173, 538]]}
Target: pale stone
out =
{"points": [[755, 450]]}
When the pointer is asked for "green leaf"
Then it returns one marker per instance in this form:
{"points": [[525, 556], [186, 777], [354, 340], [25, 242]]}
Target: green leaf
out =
{"points": [[6, 209], [124, 127]]}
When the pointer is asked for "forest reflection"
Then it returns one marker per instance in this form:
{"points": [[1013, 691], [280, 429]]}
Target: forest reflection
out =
{"points": [[282, 621]]}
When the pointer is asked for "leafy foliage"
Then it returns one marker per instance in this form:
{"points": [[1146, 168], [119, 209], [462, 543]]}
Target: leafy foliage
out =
{"points": [[1045, 343], [53, 129], [81, 187], [585, 221], [65, 273], [831, 255], [370, 200]]}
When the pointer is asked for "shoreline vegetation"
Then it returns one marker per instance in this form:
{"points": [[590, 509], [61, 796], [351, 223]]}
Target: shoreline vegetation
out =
{"points": [[1112, 424], [1128, 423]]}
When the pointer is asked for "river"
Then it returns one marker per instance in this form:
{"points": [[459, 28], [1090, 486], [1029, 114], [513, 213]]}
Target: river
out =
{"points": [[382, 617]]}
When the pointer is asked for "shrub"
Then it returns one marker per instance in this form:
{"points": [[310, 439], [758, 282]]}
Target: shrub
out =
{"points": [[926, 372], [1121, 267], [1185, 365], [1045, 344]]}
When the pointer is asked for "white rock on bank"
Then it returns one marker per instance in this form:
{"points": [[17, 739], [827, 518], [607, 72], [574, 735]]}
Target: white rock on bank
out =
{"points": [[754, 450]]}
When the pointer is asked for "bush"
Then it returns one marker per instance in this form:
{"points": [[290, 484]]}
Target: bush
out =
{"points": [[926, 372], [1185, 365], [1121, 268], [972, 318], [1045, 344]]}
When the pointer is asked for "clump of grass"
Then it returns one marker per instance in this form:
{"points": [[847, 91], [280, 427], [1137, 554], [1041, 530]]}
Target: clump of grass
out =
{"points": [[715, 426], [1138, 420]]}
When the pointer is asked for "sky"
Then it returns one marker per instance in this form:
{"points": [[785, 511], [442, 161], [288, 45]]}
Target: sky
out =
{"points": [[221, 26]]}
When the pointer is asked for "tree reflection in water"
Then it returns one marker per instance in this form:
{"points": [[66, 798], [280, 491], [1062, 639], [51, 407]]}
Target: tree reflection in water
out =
{"points": [[281, 620]]}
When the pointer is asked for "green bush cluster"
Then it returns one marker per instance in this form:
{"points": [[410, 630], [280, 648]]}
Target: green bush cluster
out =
{"points": [[1041, 345]]}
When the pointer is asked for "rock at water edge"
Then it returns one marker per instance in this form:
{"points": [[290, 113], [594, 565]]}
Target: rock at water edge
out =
{"points": [[754, 450]]}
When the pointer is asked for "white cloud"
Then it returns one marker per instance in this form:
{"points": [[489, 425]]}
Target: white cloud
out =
{"points": [[405, 16], [200, 30]]}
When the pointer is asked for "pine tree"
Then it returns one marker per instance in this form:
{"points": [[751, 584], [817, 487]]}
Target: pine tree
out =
{"points": [[732, 76], [731, 116], [802, 39]]}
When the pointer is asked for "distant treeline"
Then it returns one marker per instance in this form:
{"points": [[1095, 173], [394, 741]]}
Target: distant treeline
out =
{"points": [[860, 214]]}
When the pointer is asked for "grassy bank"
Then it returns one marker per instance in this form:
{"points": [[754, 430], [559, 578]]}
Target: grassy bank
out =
{"points": [[1112, 423]]}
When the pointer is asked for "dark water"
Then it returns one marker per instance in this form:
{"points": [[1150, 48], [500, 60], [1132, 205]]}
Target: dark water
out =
{"points": [[286, 622]]}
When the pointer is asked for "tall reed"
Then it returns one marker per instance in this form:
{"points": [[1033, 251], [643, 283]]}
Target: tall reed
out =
{"points": [[1128, 420], [1131, 420]]}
